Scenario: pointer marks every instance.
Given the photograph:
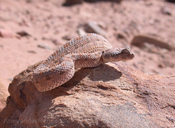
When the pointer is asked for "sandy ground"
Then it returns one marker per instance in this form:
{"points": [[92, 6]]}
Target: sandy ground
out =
{"points": [[50, 25]]}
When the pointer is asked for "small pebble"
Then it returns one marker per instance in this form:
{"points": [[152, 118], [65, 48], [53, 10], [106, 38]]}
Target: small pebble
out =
{"points": [[44, 46], [23, 33], [6, 33], [92, 27], [81, 32], [31, 51], [166, 10]]}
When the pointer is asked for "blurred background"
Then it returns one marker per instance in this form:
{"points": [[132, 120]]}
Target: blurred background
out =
{"points": [[31, 30]]}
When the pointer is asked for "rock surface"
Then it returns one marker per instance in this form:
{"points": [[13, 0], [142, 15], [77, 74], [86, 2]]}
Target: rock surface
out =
{"points": [[3, 94], [72, 2], [6, 33], [112, 95], [93, 27], [118, 1], [141, 40], [173, 1]]}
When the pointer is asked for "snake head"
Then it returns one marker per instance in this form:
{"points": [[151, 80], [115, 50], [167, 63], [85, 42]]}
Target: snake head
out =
{"points": [[117, 54]]}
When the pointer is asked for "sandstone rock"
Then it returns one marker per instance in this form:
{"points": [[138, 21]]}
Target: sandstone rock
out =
{"points": [[173, 1], [166, 10], [118, 1], [23, 33], [6, 33], [109, 96], [72, 2], [44, 46], [68, 37], [92, 27], [141, 40], [81, 32], [3, 94]]}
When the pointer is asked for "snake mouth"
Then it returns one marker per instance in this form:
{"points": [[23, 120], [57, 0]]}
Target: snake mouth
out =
{"points": [[117, 54], [127, 54]]}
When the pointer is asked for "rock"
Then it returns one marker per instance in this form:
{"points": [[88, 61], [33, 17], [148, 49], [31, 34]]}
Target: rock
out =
{"points": [[3, 95], [31, 51], [44, 46], [53, 40], [121, 37], [6, 33], [118, 1], [72, 2], [109, 96], [23, 33], [166, 10], [173, 1], [81, 32], [29, 1], [102, 25], [92, 27], [142, 40], [68, 37], [91, 0]]}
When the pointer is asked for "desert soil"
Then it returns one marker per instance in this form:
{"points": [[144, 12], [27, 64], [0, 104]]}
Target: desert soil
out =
{"points": [[45, 25]]}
